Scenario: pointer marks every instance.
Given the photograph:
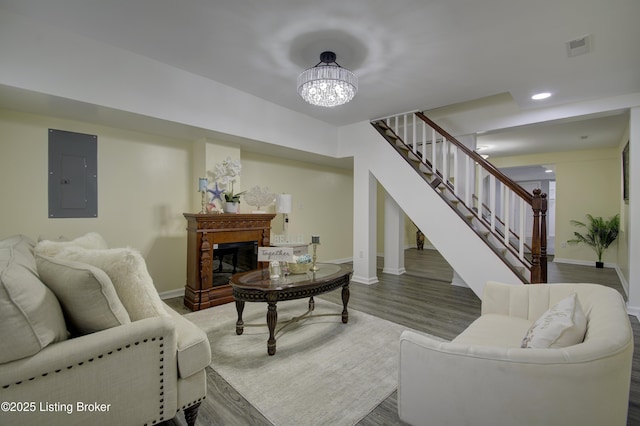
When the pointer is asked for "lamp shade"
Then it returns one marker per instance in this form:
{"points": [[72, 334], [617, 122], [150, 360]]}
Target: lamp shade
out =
{"points": [[283, 203]]}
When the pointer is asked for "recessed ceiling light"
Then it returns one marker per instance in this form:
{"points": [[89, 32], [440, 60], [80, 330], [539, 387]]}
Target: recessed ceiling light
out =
{"points": [[481, 147], [548, 171], [540, 96]]}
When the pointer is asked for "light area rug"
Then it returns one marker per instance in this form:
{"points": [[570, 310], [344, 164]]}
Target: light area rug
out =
{"points": [[324, 372]]}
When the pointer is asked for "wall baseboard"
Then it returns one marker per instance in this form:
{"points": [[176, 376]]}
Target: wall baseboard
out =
{"points": [[583, 262], [634, 310], [394, 271], [623, 281], [364, 280], [172, 293]]}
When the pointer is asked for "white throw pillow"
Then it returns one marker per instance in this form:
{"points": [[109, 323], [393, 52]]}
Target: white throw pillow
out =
{"points": [[564, 324], [30, 315], [86, 293], [128, 272], [50, 248]]}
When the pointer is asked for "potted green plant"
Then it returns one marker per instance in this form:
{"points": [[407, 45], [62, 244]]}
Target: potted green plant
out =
{"points": [[599, 235]]}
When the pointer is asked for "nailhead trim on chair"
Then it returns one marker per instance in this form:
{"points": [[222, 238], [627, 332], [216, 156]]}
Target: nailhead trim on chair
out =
{"points": [[161, 399], [100, 356], [69, 367], [197, 401]]}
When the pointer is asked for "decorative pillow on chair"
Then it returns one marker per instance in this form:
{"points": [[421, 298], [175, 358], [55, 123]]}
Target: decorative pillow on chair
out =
{"points": [[564, 324], [87, 295], [128, 272], [30, 315], [50, 248]]}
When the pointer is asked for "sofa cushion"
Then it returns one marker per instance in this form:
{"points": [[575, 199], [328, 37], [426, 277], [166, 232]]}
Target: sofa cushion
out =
{"points": [[564, 324], [91, 240], [128, 272], [86, 293], [30, 315]]}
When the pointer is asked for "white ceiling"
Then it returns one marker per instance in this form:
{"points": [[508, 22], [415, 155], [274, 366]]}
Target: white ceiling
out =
{"points": [[558, 136], [407, 54]]}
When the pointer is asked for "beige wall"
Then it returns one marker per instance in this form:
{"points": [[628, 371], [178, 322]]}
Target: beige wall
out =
{"points": [[322, 200], [143, 189], [586, 182], [146, 183]]}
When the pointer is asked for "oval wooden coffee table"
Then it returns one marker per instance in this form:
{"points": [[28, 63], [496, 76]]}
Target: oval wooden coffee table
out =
{"points": [[256, 286]]}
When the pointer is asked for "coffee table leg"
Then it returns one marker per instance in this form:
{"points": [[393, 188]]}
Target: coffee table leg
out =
{"points": [[239, 323], [345, 300], [272, 319]]}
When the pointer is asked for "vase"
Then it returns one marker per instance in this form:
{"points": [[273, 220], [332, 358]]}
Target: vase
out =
{"points": [[231, 207], [599, 265]]}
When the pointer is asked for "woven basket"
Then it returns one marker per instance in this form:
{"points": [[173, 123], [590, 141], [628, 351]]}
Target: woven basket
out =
{"points": [[299, 268]]}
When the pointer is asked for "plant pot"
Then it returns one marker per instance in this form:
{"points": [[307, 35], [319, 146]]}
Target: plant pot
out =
{"points": [[599, 265], [231, 207]]}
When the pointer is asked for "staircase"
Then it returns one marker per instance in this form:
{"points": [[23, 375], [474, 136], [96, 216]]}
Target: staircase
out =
{"points": [[485, 200]]}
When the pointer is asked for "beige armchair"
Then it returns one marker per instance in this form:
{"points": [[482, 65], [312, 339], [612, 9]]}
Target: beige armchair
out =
{"points": [[142, 371], [484, 377]]}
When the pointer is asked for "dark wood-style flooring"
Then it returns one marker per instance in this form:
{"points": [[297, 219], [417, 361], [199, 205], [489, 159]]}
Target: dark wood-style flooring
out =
{"points": [[422, 299]]}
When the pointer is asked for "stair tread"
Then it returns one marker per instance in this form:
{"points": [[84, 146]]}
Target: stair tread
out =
{"points": [[421, 157]]}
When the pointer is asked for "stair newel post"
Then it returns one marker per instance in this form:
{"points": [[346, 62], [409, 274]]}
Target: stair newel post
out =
{"points": [[536, 205], [543, 237]]}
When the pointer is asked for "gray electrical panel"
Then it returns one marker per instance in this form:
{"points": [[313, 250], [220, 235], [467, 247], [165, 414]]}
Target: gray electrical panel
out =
{"points": [[73, 174]]}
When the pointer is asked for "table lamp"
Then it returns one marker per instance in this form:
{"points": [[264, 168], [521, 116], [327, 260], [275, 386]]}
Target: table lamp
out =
{"points": [[283, 205]]}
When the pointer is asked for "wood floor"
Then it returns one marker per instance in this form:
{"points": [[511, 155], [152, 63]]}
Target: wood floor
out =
{"points": [[422, 299]]}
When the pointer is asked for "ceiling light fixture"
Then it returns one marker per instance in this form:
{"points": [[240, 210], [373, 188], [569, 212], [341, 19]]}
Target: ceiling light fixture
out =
{"points": [[540, 96], [327, 84]]}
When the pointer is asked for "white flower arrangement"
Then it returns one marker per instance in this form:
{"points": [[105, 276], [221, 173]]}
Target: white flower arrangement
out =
{"points": [[226, 174]]}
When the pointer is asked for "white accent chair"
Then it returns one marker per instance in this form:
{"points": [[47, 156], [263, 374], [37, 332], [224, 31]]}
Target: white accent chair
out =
{"points": [[129, 372], [484, 377]]}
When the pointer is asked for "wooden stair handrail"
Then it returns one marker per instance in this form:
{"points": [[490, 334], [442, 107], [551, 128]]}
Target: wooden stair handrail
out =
{"points": [[537, 200], [520, 191]]}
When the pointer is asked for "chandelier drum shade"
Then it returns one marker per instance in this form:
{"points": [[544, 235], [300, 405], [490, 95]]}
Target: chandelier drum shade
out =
{"points": [[327, 84]]}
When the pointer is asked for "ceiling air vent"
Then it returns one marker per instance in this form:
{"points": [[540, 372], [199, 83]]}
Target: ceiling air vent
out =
{"points": [[579, 46]]}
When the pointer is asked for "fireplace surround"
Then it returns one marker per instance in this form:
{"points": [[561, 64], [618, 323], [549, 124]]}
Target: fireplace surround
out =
{"points": [[210, 237]]}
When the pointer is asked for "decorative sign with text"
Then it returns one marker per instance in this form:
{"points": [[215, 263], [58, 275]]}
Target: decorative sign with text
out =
{"points": [[275, 254]]}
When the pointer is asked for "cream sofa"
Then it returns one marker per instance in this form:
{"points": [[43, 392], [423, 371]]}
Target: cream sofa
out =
{"points": [[484, 377], [114, 367]]}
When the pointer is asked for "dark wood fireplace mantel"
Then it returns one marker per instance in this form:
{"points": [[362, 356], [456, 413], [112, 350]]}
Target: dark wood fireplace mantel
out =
{"points": [[204, 232]]}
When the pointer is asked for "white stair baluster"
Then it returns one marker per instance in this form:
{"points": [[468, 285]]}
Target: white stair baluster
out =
{"points": [[468, 170], [424, 141], [445, 160], [480, 185], [492, 201], [457, 182], [404, 128], [505, 214], [522, 232], [413, 136], [433, 150]]}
